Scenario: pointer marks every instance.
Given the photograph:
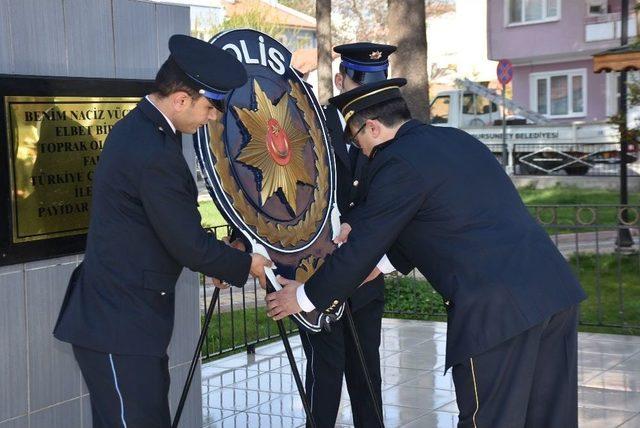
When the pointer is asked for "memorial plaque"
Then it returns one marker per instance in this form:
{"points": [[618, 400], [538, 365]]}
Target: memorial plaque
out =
{"points": [[53, 131], [55, 144]]}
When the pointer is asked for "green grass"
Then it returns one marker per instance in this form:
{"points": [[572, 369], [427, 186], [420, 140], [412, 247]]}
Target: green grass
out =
{"points": [[568, 218], [210, 215], [227, 332], [612, 283], [607, 279], [406, 297], [569, 195]]}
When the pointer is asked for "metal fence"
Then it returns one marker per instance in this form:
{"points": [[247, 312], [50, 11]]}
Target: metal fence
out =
{"points": [[571, 159], [240, 320], [599, 241]]}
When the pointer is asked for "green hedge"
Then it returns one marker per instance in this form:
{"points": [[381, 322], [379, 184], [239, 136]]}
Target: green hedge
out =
{"points": [[612, 283]]}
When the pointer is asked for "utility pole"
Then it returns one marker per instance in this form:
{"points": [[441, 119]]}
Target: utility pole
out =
{"points": [[624, 235]]}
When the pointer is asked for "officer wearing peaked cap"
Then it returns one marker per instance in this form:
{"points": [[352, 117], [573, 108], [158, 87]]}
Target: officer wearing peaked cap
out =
{"points": [[330, 354], [438, 201], [144, 228], [365, 62]]}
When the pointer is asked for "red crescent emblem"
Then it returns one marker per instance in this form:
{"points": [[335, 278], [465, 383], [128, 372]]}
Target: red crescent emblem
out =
{"points": [[278, 142]]}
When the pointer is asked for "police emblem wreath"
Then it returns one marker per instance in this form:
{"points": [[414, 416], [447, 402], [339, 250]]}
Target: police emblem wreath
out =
{"points": [[268, 164]]}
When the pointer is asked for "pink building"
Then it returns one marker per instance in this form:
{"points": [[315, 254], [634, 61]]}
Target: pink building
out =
{"points": [[550, 43]]}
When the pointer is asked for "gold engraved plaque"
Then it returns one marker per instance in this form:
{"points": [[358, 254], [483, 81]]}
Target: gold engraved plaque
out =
{"points": [[54, 145]]}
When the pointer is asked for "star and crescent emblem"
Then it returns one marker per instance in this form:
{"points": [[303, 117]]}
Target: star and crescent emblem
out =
{"points": [[275, 147], [268, 164]]}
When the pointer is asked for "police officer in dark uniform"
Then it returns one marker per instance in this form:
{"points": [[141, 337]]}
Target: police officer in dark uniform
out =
{"points": [[438, 200], [145, 227], [330, 354]]}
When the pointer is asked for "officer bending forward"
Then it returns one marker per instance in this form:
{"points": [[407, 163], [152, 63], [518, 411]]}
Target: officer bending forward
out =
{"points": [[439, 201], [145, 227]]}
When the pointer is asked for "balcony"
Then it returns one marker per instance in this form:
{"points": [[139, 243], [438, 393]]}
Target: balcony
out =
{"points": [[606, 27]]}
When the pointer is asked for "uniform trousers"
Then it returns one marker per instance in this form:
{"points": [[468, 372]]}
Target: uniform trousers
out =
{"points": [[529, 381], [332, 354], [126, 391]]}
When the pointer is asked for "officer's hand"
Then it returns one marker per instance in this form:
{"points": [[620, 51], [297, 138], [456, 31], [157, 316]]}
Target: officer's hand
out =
{"points": [[237, 244], [283, 303], [258, 263], [219, 283], [345, 229]]}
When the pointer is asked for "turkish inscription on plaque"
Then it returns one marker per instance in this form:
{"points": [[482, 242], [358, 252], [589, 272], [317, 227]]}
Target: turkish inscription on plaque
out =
{"points": [[55, 144]]}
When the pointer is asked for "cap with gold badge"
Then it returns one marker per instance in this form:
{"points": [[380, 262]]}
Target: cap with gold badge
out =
{"points": [[365, 62], [365, 96]]}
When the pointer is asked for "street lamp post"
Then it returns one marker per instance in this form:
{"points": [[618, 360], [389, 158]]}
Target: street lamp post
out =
{"points": [[624, 239]]}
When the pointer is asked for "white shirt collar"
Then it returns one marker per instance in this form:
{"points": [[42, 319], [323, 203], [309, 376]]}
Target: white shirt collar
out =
{"points": [[173, 128], [342, 122], [344, 125]]}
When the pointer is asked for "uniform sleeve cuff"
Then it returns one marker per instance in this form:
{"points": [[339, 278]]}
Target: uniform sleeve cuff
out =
{"points": [[303, 301], [385, 266]]}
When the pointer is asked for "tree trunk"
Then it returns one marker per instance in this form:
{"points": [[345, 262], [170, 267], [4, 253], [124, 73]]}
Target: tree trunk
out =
{"points": [[323, 31], [408, 31], [636, 8]]}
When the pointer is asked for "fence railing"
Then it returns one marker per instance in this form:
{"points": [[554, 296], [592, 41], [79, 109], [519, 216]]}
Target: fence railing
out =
{"points": [[599, 241], [572, 159], [240, 320]]}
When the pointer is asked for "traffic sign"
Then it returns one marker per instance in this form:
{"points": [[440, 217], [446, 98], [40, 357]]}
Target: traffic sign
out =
{"points": [[505, 71]]}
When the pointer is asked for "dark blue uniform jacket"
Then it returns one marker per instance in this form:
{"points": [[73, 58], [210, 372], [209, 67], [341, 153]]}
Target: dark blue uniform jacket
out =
{"points": [[351, 184], [439, 201], [144, 228]]}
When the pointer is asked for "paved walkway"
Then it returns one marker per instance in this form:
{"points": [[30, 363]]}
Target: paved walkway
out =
{"points": [[602, 242], [250, 296], [259, 391]]}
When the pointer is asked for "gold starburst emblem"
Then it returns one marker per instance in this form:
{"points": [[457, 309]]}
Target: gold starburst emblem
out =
{"points": [[375, 55], [275, 147], [277, 233]]}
